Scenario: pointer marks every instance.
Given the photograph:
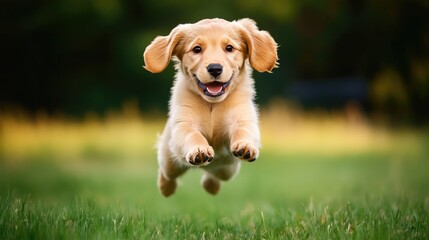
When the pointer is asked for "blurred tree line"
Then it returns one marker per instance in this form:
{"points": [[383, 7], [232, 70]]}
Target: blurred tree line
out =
{"points": [[75, 56]]}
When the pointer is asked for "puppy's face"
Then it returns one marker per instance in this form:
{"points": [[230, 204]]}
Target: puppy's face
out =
{"points": [[211, 54], [212, 58]]}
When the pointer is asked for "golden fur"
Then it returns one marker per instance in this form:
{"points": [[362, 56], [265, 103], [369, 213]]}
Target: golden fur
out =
{"points": [[213, 122]]}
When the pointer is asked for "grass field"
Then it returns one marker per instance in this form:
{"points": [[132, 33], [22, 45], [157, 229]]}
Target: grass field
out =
{"points": [[97, 179]]}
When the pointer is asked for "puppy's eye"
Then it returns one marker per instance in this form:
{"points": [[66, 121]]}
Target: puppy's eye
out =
{"points": [[229, 48], [196, 49]]}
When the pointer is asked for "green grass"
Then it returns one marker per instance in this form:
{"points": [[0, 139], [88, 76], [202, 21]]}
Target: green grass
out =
{"points": [[361, 196]]}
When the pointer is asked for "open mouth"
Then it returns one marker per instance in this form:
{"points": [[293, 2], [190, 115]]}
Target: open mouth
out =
{"points": [[213, 89]]}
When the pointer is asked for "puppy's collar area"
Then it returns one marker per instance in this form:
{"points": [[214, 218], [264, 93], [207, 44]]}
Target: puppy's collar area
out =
{"points": [[213, 89]]}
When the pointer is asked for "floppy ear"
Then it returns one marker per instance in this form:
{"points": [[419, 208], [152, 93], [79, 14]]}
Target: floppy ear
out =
{"points": [[261, 47], [158, 54]]}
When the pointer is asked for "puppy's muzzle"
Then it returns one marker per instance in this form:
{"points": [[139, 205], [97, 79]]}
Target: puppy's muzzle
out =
{"points": [[214, 88]]}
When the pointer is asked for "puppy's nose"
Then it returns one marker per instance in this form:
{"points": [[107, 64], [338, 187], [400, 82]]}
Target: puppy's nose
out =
{"points": [[215, 69]]}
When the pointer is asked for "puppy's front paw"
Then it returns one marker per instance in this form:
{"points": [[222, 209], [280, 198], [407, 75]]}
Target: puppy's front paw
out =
{"points": [[245, 151], [201, 155]]}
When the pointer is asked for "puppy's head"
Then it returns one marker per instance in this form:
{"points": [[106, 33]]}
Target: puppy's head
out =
{"points": [[211, 54]]}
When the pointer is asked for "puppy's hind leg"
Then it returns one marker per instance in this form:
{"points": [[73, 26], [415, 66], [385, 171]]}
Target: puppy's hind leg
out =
{"points": [[212, 178], [165, 185], [210, 183], [167, 182], [168, 172]]}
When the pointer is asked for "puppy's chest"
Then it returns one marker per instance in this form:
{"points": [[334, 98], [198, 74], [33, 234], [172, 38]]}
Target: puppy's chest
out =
{"points": [[215, 128]]}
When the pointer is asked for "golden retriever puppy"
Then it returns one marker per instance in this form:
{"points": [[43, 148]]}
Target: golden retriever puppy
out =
{"points": [[213, 121]]}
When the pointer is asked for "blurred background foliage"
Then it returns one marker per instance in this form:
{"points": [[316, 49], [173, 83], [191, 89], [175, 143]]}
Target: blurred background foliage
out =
{"points": [[77, 56]]}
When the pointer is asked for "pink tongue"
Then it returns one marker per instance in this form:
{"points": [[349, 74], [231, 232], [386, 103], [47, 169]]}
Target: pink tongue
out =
{"points": [[214, 88]]}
